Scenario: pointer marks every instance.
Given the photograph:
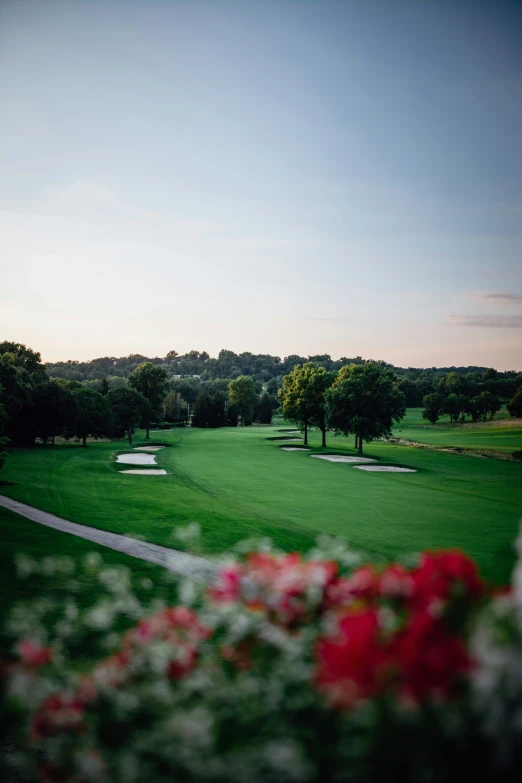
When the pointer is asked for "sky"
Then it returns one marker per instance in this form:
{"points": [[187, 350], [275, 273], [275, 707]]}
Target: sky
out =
{"points": [[274, 176]]}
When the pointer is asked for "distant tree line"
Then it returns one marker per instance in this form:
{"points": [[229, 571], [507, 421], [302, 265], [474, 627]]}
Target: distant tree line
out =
{"points": [[35, 406], [415, 383], [478, 397], [32, 405], [111, 397]]}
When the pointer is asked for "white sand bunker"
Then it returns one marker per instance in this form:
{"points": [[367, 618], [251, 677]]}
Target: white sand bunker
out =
{"points": [[385, 469], [149, 472], [293, 448], [136, 459], [341, 458], [148, 448]]}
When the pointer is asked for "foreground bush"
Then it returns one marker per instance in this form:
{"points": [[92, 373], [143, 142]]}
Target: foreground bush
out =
{"points": [[289, 668]]}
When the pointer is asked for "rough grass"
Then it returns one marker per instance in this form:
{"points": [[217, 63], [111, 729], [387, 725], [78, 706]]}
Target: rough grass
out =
{"points": [[236, 482], [22, 535], [502, 434]]}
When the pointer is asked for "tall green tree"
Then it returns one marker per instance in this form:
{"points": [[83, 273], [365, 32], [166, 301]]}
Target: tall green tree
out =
{"points": [[92, 416], [232, 417], [210, 410], [453, 406], [319, 381], [104, 387], [128, 407], [264, 409], [152, 382], [20, 371], [365, 401], [4, 440], [243, 394], [514, 406], [53, 410], [432, 406], [294, 401], [303, 399]]}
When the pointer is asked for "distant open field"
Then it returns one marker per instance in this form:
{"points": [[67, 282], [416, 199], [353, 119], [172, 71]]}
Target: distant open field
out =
{"points": [[501, 434], [237, 482]]}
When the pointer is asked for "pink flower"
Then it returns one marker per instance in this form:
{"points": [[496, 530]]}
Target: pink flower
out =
{"points": [[228, 586], [396, 582], [34, 654]]}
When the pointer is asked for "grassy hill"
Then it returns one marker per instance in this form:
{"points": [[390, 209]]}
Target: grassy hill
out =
{"points": [[237, 482]]}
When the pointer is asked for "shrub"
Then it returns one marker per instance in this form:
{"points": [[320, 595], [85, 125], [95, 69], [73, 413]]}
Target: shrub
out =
{"points": [[514, 407], [517, 454], [289, 668]]}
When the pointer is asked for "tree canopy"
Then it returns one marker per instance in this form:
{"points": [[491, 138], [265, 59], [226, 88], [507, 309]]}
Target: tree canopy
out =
{"points": [[365, 401], [53, 410], [243, 394], [302, 395], [152, 382], [514, 406], [92, 416], [128, 407]]}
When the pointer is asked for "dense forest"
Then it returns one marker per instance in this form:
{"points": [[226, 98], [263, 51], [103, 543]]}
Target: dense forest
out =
{"points": [[193, 369]]}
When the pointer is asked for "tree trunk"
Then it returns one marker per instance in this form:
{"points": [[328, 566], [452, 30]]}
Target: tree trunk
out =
{"points": [[306, 434], [323, 439], [356, 441], [84, 440], [130, 432], [360, 451], [52, 441], [148, 427]]}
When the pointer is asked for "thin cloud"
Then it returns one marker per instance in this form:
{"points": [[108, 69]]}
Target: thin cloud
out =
{"points": [[488, 321], [493, 296]]}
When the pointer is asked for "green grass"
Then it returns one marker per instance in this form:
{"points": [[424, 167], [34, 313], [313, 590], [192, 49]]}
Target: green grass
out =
{"points": [[501, 434], [237, 482], [22, 535]]}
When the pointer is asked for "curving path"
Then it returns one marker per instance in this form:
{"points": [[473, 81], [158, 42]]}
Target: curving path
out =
{"points": [[197, 568]]}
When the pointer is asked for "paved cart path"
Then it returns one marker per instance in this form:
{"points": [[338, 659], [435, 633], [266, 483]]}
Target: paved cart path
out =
{"points": [[197, 568]]}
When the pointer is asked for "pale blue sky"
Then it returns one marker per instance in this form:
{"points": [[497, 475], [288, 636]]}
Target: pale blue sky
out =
{"points": [[280, 177]]}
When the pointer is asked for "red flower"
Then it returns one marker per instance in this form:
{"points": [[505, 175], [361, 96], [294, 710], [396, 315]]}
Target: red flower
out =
{"points": [[34, 654], [184, 662], [228, 586], [431, 660], [396, 582], [59, 713], [356, 665], [277, 584], [439, 574]]}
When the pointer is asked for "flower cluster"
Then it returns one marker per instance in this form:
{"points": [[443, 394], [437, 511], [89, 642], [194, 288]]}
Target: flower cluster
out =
{"points": [[289, 668], [394, 632]]}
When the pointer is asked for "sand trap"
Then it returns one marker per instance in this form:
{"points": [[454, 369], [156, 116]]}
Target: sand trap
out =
{"points": [[293, 448], [385, 469], [148, 448], [341, 458], [289, 430], [149, 472], [136, 459]]}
